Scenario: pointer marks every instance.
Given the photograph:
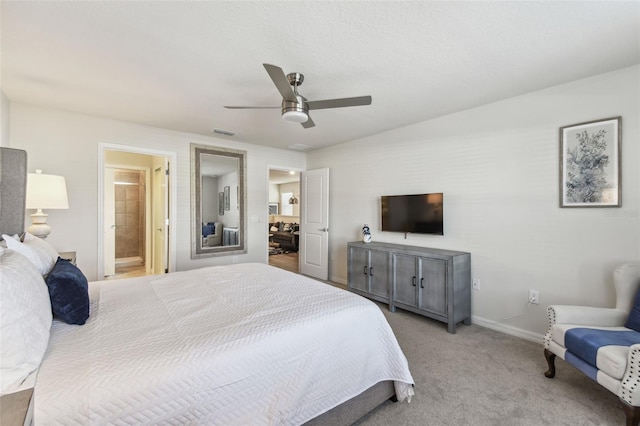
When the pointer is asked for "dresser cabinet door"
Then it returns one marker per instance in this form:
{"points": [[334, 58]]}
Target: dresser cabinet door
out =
{"points": [[359, 269], [433, 285], [379, 273], [404, 279]]}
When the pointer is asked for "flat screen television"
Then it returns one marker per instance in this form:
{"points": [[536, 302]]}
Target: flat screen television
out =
{"points": [[418, 214]]}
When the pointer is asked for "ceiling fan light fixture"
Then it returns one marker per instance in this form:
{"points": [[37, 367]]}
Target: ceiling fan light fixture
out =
{"points": [[295, 116]]}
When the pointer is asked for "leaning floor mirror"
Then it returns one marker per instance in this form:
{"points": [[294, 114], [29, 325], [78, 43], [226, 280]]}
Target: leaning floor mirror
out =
{"points": [[218, 202]]}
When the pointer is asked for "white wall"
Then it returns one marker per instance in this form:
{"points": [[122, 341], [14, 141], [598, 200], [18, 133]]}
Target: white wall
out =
{"points": [[209, 199], [498, 167], [294, 188], [66, 144], [231, 217], [5, 108]]}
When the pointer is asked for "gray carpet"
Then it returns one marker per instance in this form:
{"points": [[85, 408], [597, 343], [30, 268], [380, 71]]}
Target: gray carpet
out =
{"points": [[482, 377]]}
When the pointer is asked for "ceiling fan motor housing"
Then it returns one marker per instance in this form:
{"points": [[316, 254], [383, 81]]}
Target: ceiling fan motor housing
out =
{"points": [[297, 112]]}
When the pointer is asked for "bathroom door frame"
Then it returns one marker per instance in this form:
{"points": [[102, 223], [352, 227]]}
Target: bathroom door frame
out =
{"points": [[172, 157]]}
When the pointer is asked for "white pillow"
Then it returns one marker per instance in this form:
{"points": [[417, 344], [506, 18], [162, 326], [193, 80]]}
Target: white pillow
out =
{"points": [[38, 251], [44, 249], [25, 319]]}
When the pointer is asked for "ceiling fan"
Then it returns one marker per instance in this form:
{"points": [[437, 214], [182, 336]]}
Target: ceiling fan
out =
{"points": [[295, 107]]}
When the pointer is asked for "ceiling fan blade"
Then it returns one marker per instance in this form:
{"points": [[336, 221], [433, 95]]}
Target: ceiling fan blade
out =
{"points": [[281, 82], [252, 107], [308, 123], [339, 103]]}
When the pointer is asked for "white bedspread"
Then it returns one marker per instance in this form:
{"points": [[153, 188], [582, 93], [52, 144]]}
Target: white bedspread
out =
{"points": [[244, 344]]}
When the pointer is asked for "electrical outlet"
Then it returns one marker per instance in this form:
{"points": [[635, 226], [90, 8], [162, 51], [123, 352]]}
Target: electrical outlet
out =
{"points": [[476, 284], [534, 297]]}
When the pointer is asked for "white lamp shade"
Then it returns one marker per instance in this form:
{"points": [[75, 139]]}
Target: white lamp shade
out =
{"points": [[46, 192]]}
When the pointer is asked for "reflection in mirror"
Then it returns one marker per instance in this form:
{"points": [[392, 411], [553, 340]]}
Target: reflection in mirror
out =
{"points": [[217, 201]]}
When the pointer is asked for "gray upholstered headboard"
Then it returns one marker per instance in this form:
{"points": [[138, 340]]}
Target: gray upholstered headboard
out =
{"points": [[13, 186]]}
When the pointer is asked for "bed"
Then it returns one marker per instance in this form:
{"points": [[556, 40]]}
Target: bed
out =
{"points": [[237, 344]]}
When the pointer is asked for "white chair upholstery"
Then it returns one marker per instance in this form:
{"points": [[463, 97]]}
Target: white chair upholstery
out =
{"points": [[214, 239], [617, 366]]}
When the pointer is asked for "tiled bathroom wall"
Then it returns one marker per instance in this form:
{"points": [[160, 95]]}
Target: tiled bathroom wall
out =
{"points": [[130, 213]]}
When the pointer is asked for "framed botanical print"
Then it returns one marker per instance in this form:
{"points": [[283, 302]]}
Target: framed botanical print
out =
{"points": [[221, 203], [590, 173]]}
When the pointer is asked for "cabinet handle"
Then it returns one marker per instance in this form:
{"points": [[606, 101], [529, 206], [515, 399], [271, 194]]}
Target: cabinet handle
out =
{"points": [[371, 271], [413, 281], [365, 269], [422, 282]]}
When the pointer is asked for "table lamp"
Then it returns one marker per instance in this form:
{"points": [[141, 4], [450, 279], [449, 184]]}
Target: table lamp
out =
{"points": [[44, 192]]}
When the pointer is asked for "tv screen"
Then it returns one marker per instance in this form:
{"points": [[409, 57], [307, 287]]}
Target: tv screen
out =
{"points": [[419, 214]]}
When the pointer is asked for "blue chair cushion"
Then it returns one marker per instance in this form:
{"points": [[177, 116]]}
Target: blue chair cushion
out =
{"points": [[585, 342], [69, 292], [633, 320]]}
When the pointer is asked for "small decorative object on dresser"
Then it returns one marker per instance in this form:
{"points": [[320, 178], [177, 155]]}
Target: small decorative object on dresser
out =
{"points": [[366, 234], [431, 282]]}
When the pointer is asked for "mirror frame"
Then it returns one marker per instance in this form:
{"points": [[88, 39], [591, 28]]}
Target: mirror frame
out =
{"points": [[197, 250]]}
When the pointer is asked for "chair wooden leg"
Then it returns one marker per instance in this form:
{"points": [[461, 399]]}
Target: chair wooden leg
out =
{"points": [[551, 362], [631, 413]]}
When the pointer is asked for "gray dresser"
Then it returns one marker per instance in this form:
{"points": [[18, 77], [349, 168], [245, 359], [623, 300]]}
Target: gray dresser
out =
{"points": [[431, 282]]}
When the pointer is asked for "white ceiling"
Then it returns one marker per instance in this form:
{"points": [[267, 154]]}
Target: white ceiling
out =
{"points": [[175, 64]]}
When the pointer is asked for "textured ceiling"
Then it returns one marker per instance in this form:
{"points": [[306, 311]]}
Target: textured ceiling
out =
{"points": [[175, 64]]}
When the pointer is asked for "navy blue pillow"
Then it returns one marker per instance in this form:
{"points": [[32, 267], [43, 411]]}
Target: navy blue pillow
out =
{"points": [[69, 292], [633, 320]]}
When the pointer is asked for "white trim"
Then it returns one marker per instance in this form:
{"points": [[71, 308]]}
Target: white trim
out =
{"points": [[173, 189], [507, 329]]}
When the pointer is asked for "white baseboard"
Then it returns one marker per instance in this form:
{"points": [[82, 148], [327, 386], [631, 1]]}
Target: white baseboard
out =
{"points": [[507, 329]]}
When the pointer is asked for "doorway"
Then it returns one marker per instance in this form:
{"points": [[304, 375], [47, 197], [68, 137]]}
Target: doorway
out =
{"points": [[135, 212], [132, 201], [284, 219]]}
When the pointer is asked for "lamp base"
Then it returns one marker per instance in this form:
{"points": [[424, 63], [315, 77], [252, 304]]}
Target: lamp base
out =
{"points": [[39, 227]]}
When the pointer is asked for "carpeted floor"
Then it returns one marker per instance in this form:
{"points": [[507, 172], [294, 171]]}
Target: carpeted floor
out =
{"points": [[482, 377]]}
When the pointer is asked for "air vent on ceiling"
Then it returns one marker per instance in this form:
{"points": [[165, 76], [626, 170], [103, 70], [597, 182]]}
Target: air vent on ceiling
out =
{"points": [[223, 132]]}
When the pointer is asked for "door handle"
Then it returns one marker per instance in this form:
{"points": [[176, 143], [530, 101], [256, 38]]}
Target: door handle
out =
{"points": [[422, 282], [365, 269], [112, 227], [413, 281], [371, 271], [323, 229]]}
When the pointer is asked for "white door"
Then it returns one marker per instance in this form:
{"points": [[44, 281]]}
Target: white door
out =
{"points": [[314, 223], [160, 215], [109, 222]]}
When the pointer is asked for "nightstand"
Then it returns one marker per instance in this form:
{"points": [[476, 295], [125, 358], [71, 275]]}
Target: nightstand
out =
{"points": [[68, 255]]}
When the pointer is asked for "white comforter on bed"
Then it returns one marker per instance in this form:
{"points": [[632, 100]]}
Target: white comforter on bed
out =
{"points": [[245, 344]]}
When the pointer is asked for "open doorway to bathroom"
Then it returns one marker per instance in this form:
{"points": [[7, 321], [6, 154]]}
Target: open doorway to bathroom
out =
{"points": [[284, 219], [135, 214], [132, 205]]}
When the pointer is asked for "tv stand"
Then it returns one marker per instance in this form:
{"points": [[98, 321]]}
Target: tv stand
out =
{"points": [[431, 282]]}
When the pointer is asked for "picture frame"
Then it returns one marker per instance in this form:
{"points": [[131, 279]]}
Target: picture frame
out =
{"points": [[273, 208], [227, 196], [590, 166], [221, 203]]}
